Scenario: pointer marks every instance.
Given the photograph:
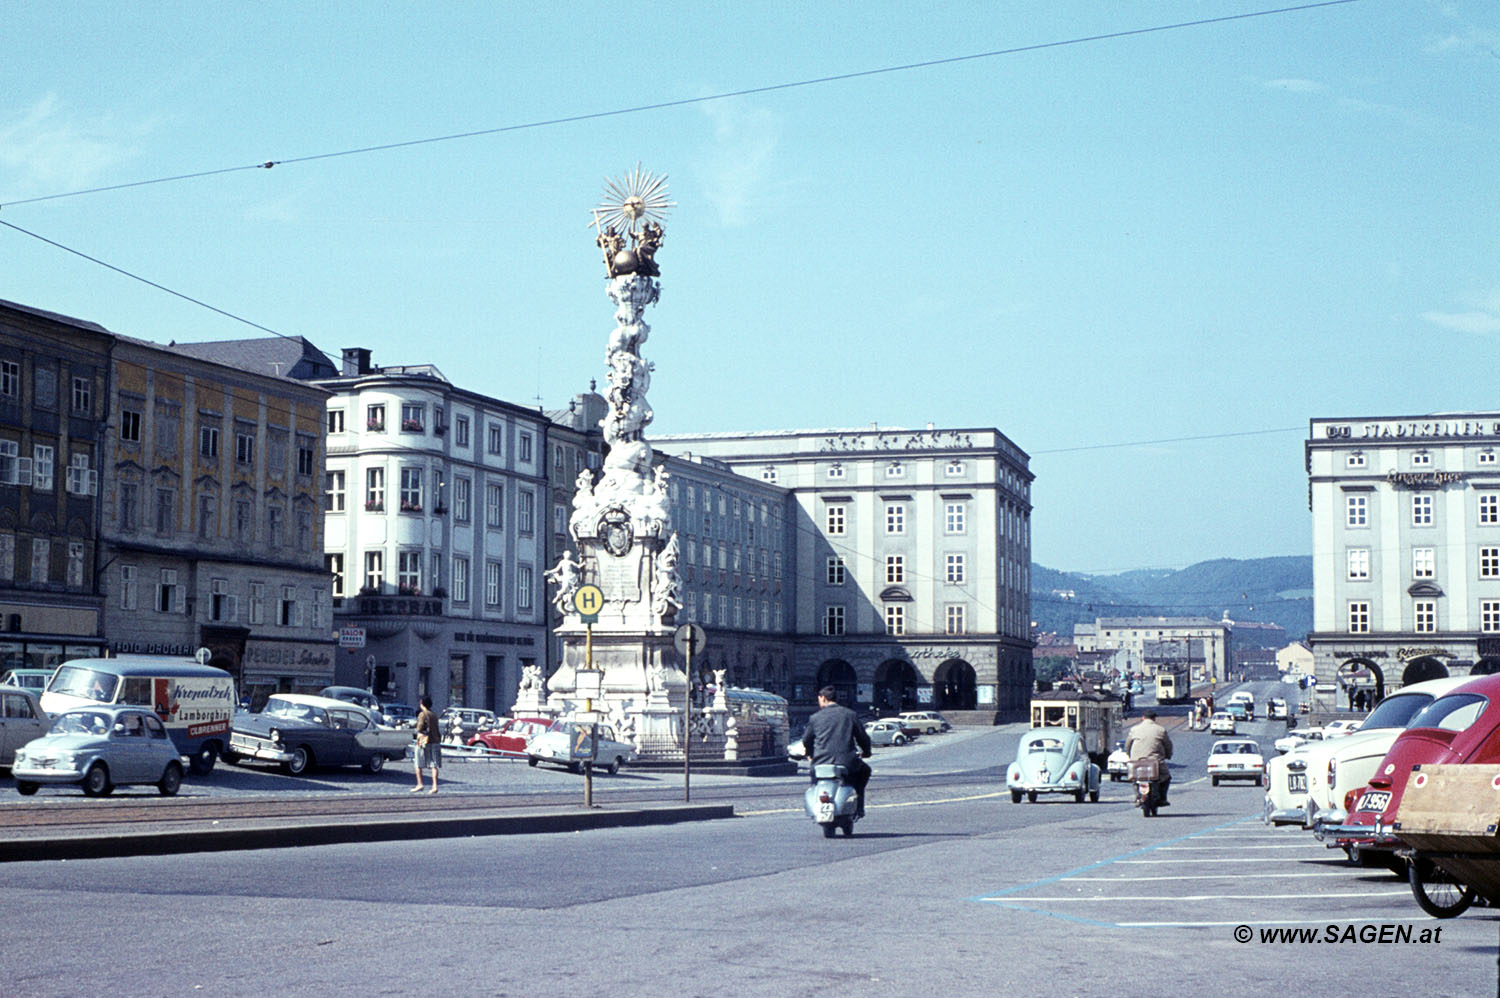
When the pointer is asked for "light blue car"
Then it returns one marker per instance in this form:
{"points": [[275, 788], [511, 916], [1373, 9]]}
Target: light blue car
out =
{"points": [[1052, 761], [100, 748]]}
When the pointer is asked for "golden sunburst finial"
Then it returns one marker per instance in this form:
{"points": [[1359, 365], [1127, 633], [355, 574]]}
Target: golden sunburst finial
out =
{"points": [[633, 200]]}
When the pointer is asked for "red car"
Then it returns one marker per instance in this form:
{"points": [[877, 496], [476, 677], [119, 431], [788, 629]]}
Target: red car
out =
{"points": [[509, 738], [1460, 727]]}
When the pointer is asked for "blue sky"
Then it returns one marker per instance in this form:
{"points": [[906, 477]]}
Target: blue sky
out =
{"points": [[1100, 248]]}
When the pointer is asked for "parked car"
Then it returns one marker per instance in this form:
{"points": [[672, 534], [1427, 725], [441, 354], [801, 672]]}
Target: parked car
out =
{"points": [[1309, 784], [1222, 723], [511, 735], [886, 732], [301, 731], [929, 722], [1289, 743], [1461, 727], [353, 694], [31, 679], [100, 748], [1052, 761], [1236, 759], [1118, 763], [399, 715], [569, 745], [1338, 729], [460, 724], [21, 720]]}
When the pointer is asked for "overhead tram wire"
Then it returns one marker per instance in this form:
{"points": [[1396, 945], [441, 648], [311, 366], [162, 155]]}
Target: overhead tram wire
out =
{"points": [[688, 101]]}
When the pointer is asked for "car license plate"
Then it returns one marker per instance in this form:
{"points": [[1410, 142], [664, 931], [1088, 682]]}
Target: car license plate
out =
{"points": [[1296, 783], [825, 811], [1376, 801]]}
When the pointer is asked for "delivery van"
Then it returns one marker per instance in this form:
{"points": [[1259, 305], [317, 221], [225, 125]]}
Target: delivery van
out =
{"points": [[195, 702]]}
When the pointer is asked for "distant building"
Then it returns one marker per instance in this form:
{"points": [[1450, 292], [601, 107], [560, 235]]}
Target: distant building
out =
{"points": [[1132, 634], [1296, 659], [907, 581], [1406, 542]]}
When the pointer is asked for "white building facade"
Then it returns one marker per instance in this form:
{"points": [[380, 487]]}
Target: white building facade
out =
{"points": [[1131, 635], [1406, 550], [908, 566], [436, 533]]}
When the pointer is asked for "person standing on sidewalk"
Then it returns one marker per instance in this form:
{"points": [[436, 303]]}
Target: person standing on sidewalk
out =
{"points": [[429, 751]]}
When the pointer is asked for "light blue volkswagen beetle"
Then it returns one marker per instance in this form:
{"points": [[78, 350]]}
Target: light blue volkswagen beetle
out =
{"points": [[1052, 761]]}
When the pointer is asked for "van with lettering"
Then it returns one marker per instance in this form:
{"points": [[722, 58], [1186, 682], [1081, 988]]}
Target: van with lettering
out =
{"points": [[195, 702]]}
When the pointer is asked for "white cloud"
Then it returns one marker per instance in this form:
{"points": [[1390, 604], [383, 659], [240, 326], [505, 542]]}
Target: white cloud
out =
{"points": [[45, 150], [1475, 40], [738, 163], [1483, 319], [1295, 86]]}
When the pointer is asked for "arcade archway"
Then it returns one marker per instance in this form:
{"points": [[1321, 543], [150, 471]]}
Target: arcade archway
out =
{"points": [[1485, 667], [954, 686], [1361, 684], [840, 675], [896, 683], [1424, 668]]}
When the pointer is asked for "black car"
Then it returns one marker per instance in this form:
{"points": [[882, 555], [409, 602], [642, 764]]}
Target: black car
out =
{"points": [[300, 732]]}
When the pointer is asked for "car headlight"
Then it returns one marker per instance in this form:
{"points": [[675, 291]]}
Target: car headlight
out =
{"points": [[275, 735]]}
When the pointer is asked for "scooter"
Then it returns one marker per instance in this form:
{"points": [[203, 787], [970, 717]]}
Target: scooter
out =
{"points": [[831, 801], [1149, 787]]}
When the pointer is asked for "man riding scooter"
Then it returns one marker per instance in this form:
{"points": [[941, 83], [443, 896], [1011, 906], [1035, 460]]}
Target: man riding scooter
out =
{"points": [[834, 735], [1149, 740]]}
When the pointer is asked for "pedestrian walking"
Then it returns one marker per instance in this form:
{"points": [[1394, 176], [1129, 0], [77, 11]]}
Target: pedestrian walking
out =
{"points": [[429, 749]]}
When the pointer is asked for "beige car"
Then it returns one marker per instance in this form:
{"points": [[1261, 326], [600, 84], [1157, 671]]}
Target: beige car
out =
{"points": [[928, 722]]}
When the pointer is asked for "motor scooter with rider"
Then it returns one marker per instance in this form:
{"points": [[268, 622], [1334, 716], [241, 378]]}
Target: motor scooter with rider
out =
{"points": [[836, 745]]}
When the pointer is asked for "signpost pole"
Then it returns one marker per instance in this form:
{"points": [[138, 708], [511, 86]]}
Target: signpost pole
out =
{"points": [[687, 727], [588, 706], [588, 601]]}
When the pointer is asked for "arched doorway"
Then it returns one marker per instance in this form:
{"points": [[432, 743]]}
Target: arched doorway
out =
{"points": [[1485, 667], [955, 686], [1361, 684], [840, 675], [896, 683], [1420, 669]]}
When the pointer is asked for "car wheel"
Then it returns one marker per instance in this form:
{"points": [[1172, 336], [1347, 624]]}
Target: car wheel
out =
{"points": [[1214, 780], [26, 788], [1015, 796], [1435, 891], [899, 740], [1093, 796], [230, 758], [171, 780], [203, 759], [1031, 796], [531, 760], [96, 781], [375, 763], [1078, 794], [614, 766], [300, 762]]}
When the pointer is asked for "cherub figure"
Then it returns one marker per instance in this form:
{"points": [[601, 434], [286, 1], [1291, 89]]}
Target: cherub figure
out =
{"points": [[565, 577]]}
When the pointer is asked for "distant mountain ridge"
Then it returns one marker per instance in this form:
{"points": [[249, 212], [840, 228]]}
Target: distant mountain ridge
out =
{"points": [[1268, 590]]}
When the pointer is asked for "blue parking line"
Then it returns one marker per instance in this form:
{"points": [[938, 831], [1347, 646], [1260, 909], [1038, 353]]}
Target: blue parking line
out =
{"points": [[997, 898]]}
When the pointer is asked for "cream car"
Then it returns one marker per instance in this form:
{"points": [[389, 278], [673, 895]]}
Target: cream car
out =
{"points": [[1236, 759], [1222, 723], [1314, 775]]}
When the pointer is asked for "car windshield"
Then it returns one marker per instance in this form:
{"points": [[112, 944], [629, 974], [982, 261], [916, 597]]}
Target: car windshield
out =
{"points": [[75, 680], [1397, 711], [1045, 745], [1454, 712], [1235, 748], [276, 707], [81, 722]]}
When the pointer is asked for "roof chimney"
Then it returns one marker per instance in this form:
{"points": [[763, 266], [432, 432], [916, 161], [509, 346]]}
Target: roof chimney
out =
{"points": [[356, 361]]}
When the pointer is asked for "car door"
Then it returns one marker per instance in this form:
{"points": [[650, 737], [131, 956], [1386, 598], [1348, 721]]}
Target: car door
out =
{"points": [[20, 722], [129, 757], [343, 737]]}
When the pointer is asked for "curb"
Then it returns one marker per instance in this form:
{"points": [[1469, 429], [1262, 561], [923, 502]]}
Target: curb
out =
{"points": [[279, 833]]}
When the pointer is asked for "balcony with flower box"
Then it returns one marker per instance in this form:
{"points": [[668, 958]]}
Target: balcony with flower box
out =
{"points": [[411, 426], [375, 425], [410, 507], [374, 506]]}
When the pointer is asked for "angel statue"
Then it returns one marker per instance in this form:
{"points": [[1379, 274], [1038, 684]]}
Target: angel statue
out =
{"points": [[665, 601], [565, 577]]}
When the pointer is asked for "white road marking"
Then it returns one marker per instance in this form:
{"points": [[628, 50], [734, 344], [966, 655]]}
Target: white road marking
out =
{"points": [[1210, 876], [1032, 899], [876, 807]]}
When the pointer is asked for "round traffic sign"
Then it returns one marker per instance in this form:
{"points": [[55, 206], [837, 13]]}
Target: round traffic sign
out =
{"points": [[588, 600], [689, 636]]}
